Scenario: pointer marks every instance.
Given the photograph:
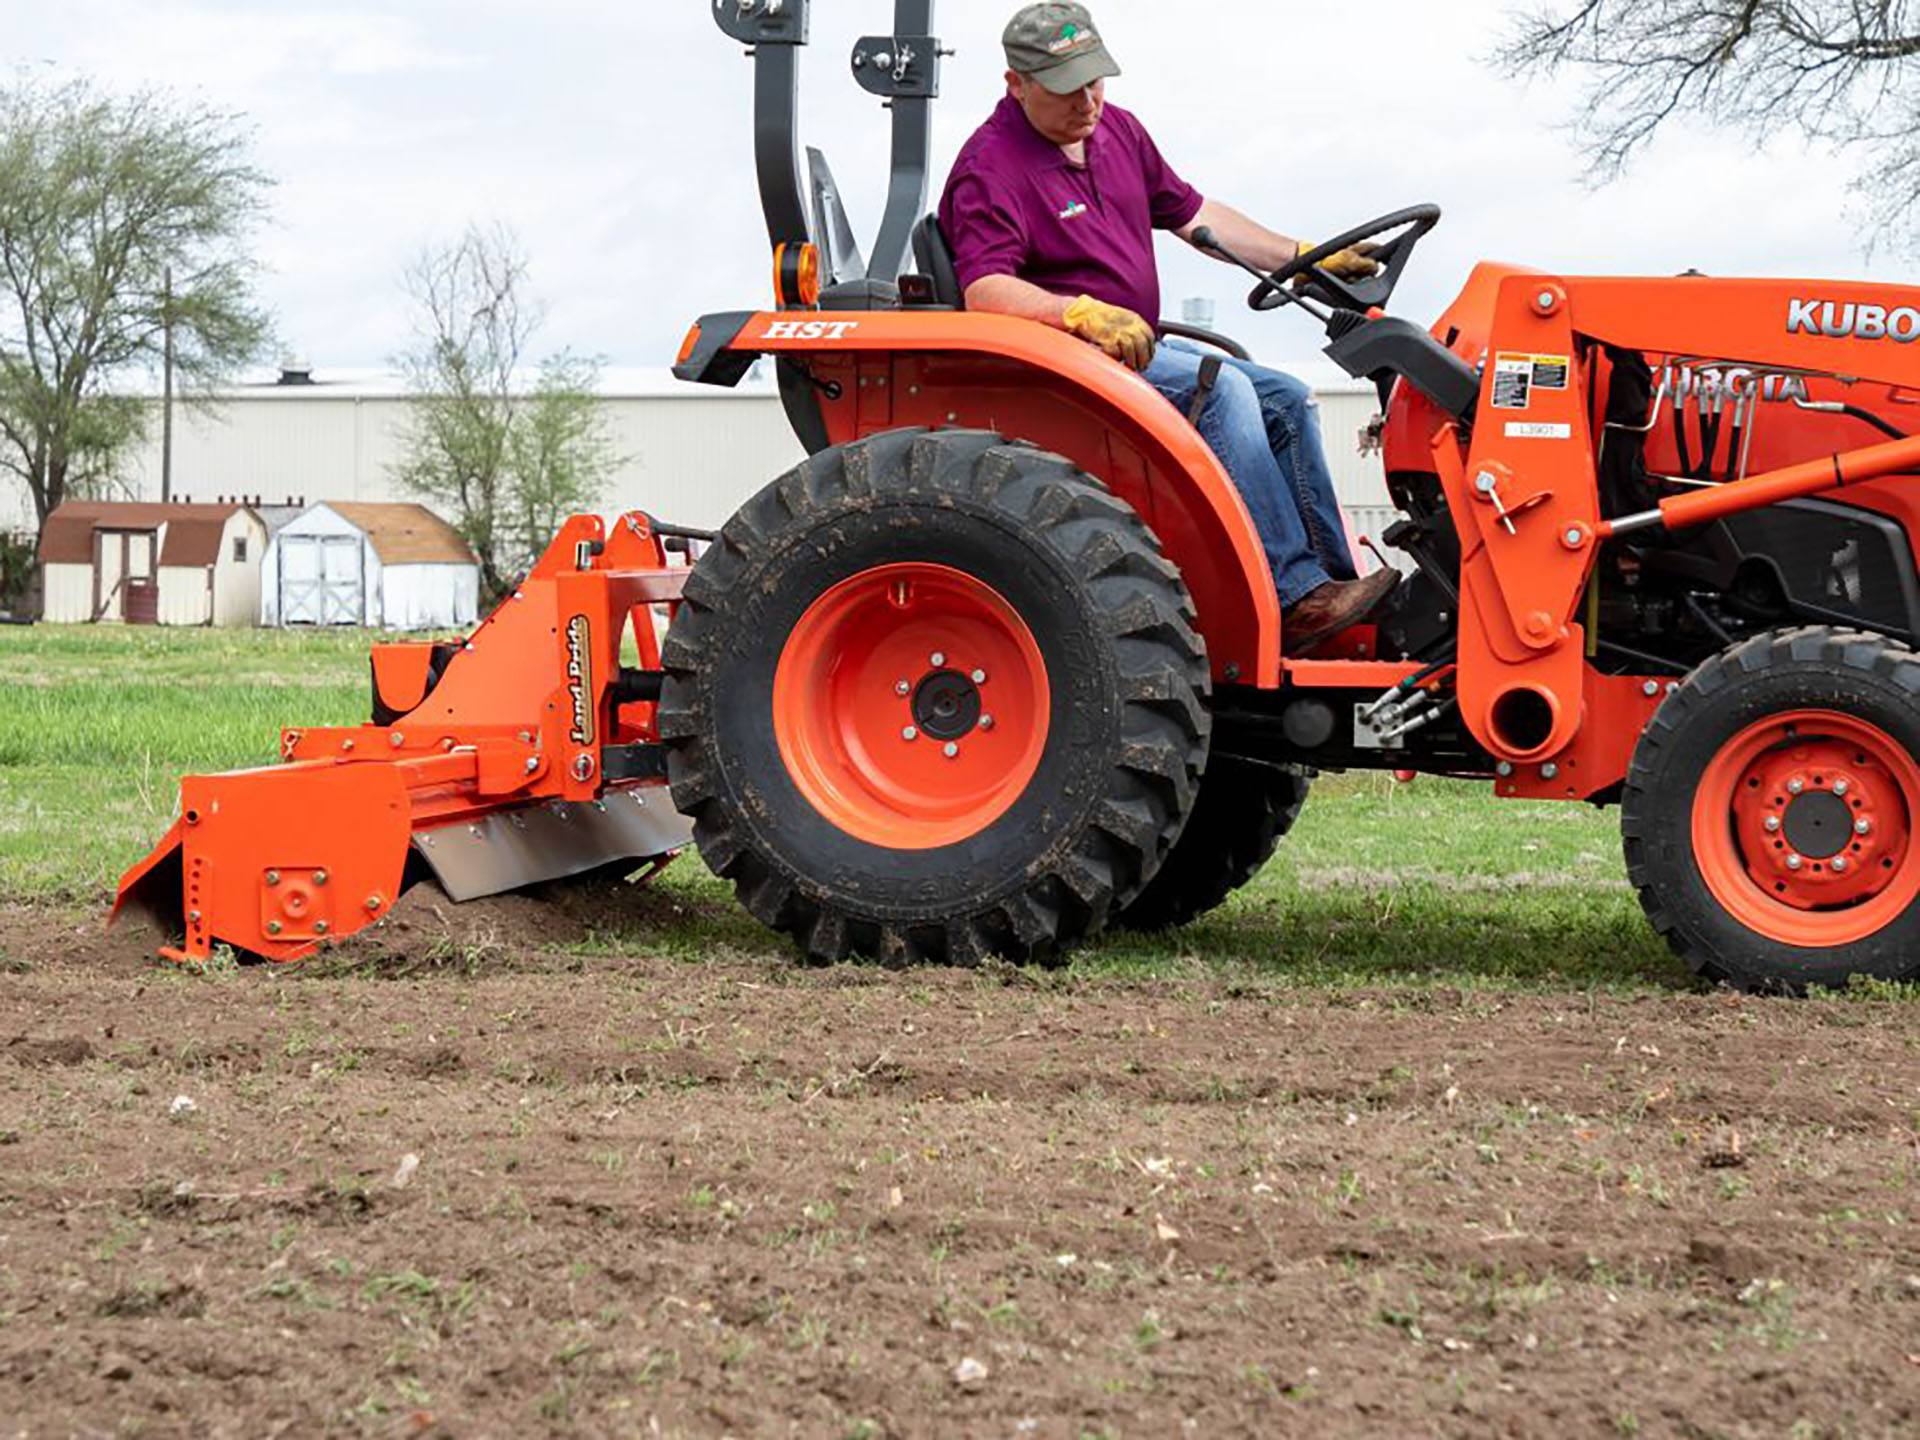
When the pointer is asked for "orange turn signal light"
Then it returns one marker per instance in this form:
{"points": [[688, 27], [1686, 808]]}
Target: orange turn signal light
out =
{"points": [[796, 276], [687, 345]]}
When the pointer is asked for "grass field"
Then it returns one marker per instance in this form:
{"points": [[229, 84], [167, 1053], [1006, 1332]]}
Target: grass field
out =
{"points": [[1423, 1134], [1431, 883]]}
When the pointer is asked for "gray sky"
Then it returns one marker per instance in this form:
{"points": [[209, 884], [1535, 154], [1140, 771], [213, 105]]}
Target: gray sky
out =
{"points": [[613, 136]]}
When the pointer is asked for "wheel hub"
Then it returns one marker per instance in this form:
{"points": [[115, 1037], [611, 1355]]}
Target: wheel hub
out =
{"points": [[1819, 826], [947, 705]]}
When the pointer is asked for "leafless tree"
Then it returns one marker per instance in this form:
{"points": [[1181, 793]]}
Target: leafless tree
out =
{"points": [[1841, 73], [506, 452]]}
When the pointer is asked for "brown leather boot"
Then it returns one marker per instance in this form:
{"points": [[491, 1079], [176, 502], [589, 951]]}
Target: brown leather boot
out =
{"points": [[1337, 605]]}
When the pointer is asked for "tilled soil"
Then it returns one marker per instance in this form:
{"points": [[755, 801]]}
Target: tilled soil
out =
{"points": [[485, 1188]]}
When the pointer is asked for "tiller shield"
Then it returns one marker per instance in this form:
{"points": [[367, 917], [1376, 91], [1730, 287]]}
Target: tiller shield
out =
{"points": [[527, 753]]}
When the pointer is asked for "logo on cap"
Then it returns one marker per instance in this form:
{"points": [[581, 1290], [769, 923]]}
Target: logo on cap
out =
{"points": [[1072, 38]]}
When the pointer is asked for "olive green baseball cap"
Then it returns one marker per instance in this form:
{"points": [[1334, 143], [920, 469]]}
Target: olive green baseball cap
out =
{"points": [[1059, 46]]}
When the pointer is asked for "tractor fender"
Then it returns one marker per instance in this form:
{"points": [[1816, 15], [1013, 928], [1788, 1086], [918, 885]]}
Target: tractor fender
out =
{"points": [[874, 371]]}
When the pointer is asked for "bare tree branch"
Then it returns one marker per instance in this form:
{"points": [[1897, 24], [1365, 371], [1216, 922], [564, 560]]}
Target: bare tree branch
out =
{"points": [[1840, 73]]}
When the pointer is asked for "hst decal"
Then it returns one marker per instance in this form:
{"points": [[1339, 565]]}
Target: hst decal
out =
{"points": [[1843, 320], [810, 329]]}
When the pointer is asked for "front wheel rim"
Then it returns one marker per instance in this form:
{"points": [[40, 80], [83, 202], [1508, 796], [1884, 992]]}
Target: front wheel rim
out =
{"points": [[911, 706], [1802, 828]]}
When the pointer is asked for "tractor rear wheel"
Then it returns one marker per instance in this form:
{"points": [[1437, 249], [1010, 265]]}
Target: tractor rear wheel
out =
{"points": [[1770, 812], [1245, 809], [935, 696]]}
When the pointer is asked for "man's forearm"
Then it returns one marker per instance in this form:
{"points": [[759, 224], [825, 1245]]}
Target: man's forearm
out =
{"points": [[1007, 295], [1268, 249]]}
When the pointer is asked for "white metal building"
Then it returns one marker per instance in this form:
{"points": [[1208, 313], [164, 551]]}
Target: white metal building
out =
{"points": [[147, 564], [691, 454], [391, 567]]}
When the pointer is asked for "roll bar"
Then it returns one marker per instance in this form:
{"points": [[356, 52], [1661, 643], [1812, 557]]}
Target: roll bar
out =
{"points": [[903, 68]]}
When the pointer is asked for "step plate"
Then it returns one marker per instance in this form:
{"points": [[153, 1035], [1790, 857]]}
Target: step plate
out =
{"points": [[512, 849]]}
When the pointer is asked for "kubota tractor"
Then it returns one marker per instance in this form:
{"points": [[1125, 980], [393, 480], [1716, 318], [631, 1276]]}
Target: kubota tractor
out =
{"points": [[999, 664]]}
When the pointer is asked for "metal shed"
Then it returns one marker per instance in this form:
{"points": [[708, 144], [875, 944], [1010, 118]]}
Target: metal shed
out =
{"points": [[391, 567], [147, 564]]}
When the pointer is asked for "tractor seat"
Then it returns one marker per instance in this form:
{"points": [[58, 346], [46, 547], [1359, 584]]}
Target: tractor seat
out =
{"points": [[935, 259]]}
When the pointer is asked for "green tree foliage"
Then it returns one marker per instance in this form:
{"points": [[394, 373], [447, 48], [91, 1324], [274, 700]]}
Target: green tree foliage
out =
{"points": [[507, 461], [101, 198], [1840, 73]]}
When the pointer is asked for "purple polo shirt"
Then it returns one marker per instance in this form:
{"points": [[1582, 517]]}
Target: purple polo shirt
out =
{"points": [[1015, 205]]}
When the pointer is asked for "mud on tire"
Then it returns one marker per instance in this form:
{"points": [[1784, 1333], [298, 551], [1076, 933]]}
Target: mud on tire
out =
{"points": [[1768, 815], [1124, 717], [1243, 812]]}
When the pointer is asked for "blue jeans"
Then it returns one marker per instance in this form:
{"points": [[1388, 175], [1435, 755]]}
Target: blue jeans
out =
{"points": [[1265, 429]]}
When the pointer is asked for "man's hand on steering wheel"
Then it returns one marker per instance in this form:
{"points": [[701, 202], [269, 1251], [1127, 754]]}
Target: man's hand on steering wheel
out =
{"points": [[1356, 262]]}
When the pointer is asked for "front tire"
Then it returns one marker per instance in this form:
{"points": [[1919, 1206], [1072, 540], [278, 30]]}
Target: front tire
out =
{"points": [[935, 696], [1769, 813]]}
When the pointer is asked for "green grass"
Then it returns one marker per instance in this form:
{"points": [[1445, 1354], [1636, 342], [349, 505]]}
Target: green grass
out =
{"points": [[1431, 884]]}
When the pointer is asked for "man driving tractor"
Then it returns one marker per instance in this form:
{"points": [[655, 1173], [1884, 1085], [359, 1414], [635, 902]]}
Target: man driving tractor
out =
{"points": [[1050, 213]]}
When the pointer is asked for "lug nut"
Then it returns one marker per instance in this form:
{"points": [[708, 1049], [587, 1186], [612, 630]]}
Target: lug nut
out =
{"points": [[1794, 862], [1773, 824], [902, 688], [1839, 864], [1840, 787], [939, 659], [1863, 827], [1796, 786], [979, 677], [986, 722], [1549, 771], [910, 733], [951, 750]]}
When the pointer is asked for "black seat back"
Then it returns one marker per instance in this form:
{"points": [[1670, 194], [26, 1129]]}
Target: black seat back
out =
{"points": [[935, 260]]}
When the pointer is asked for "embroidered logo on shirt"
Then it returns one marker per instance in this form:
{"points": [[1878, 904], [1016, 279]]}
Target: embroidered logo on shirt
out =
{"points": [[1074, 211]]}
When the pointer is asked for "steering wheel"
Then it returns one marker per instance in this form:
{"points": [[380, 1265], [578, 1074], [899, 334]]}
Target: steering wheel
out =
{"points": [[1363, 295]]}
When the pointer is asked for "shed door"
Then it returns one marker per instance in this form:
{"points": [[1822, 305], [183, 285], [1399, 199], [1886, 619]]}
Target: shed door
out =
{"points": [[122, 560], [321, 581]]}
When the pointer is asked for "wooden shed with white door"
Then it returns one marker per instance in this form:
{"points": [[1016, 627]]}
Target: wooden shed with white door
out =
{"points": [[387, 567], [149, 564]]}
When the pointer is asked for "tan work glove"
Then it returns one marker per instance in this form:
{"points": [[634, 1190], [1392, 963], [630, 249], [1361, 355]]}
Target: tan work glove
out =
{"points": [[1116, 330], [1356, 263]]}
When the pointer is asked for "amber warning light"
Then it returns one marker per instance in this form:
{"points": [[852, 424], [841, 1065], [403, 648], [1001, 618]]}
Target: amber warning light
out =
{"points": [[796, 276], [687, 345]]}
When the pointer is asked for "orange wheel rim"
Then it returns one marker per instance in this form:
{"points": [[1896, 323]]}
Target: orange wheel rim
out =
{"points": [[1802, 828], [911, 706]]}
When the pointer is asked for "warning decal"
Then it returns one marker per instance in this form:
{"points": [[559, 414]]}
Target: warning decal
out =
{"points": [[1516, 377], [1513, 382], [1552, 372]]}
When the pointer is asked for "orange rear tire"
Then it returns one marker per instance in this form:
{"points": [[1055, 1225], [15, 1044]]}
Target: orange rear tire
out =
{"points": [[935, 696]]}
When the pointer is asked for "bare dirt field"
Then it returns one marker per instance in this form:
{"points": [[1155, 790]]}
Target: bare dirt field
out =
{"points": [[491, 1187]]}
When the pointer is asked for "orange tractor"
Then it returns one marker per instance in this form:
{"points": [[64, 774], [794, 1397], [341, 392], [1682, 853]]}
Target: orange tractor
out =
{"points": [[999, 664]]}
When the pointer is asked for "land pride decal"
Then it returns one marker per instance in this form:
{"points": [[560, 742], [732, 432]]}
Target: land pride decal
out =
{"points": [[580, 678], [1841, 320]]}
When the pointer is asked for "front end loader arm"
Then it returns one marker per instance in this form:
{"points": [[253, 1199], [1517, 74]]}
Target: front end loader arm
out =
{"points": [[525, 754]]}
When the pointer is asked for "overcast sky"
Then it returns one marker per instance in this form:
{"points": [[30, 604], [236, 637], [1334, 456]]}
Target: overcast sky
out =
{"points": [[614, 137]]}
